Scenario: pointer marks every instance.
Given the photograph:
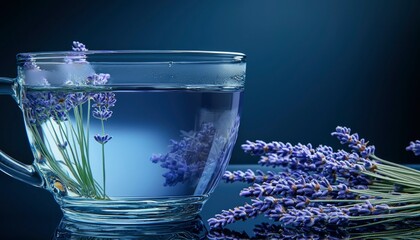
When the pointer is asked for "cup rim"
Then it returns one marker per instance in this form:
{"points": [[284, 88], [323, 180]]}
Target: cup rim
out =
{"points": [[185, 56]]}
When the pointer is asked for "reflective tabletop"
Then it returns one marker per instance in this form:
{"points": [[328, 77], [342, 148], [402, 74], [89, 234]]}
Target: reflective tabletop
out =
{"points": [[23, 216]]}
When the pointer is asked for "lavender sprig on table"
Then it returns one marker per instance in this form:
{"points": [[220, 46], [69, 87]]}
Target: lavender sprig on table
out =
{"points": [[414, 147], [322, 188]]}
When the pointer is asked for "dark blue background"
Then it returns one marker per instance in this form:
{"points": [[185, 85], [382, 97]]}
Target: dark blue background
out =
{"points": [[312, 65]]}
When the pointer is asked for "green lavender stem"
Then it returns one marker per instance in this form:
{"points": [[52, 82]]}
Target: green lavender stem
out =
{"points": [[52, 163], [75, 155], [103, 159]]}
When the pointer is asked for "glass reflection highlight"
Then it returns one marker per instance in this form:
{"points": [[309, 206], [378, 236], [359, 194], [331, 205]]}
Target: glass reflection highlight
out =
{"points": [[194, 229]]}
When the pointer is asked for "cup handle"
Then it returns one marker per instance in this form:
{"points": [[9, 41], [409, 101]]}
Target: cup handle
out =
{"points": [[8, 165]]}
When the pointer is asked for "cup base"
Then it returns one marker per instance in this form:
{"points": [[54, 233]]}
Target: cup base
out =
{"points": [[132, 211]]}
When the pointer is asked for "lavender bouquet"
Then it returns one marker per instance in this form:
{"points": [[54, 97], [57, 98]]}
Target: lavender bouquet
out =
{"points": [[319, 188]]}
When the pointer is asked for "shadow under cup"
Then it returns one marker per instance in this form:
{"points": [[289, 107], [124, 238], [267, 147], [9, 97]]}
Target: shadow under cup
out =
{"points": [[127, 136]]}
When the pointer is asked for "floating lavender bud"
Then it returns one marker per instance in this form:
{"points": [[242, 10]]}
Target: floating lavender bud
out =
{"points": [[79, 47], [29, 63], [102, 139], [98, 79], [62, 146], [77, 56], [414, 147]]}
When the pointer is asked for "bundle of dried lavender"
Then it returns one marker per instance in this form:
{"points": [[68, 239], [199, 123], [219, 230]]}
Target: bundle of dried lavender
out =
{"points": [[322, 188]]}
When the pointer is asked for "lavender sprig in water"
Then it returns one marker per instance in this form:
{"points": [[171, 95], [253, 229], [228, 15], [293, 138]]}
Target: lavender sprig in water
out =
{"points": [[322, 188], [62, 113]]}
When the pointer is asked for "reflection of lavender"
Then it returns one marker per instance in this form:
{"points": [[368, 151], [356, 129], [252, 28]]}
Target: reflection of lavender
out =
{"points": [[399, 230], [53, 109], [221, 150], [77, 56], [273, 231], [187, 158]]}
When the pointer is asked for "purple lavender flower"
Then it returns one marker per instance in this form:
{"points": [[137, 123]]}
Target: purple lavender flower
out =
{"points": [[343, 134], [37, 107], [79, 47], [295, 213], [62, 145], [321, 160], [299, 156], [260, 148], [291, 187], [102, 139], [294, 198], [368, 209], [78, 98], [62, 105], [102, 113], [414, 147], [322, 216], [29, 62], [77, 56], [356, 144], [102, 102], [250, 177], [40, 106], [98, 79], [238, 213]]}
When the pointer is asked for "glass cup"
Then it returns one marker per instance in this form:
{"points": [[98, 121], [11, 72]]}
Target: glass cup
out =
{"points": [[127, 136]]}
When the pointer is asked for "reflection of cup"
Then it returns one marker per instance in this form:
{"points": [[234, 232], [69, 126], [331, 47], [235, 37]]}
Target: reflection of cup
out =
{"points": [[100, 122], [187, 230]]}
